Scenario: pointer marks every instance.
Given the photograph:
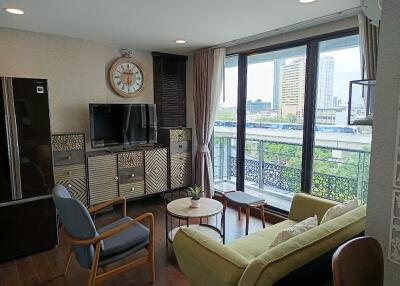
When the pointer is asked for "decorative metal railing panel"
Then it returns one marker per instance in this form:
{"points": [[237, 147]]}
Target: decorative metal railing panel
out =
{"points": [[287, 179]]}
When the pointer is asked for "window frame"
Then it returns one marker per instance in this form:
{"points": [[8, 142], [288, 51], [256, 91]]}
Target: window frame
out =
{"points": [[310, 94]]}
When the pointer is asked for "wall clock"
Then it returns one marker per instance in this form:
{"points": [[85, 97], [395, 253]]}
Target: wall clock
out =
{"points": [[127, 78]]}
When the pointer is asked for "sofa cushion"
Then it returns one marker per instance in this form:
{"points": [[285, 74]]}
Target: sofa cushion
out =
{"points": [[339, 209], [306, 205], [254, 244], [274, 264], [294, 230], [205, 261]]}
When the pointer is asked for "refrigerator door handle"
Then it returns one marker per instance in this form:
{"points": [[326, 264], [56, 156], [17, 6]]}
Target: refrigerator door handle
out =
{"points": [[12, 138]]}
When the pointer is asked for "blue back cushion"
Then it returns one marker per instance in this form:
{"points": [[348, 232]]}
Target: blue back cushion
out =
{"points": [[77, 222]]}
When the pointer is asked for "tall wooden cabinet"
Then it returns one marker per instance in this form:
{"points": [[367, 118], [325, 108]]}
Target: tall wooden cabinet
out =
{"points": [[70, 164], [179, 142]]}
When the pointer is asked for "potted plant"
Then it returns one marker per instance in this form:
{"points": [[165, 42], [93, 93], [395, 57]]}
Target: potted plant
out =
{"points": [[195, 195]]}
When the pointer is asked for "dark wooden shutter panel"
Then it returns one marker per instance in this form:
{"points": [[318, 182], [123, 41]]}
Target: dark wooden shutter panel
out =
{"points": [[170, 89]]}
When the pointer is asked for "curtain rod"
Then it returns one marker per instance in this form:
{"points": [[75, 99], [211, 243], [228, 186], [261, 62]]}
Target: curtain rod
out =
{"points": [[298, 26]]}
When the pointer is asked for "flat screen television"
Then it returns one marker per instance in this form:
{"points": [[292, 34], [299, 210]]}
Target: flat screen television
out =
{"points": [[122, 125]]}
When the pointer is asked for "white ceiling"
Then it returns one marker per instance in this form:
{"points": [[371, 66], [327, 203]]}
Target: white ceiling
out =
{"points": [[156, 24]]}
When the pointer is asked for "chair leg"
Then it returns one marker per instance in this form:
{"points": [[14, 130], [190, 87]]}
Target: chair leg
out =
{"points": [[247, 219], [95, 264], [68, 259], [150, 249], [239, 209]]}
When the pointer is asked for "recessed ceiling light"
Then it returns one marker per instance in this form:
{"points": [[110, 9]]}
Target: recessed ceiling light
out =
{"points": [[180, 41], [306, 1], [14, 11]]}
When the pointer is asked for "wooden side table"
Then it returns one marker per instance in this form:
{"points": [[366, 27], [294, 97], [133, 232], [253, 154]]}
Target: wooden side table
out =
{"points": [[180, 209], [246, 201]]}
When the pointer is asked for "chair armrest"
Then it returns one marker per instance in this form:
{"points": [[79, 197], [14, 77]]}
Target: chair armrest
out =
{"points": [[118, 200], [204, 261], [306, 205], [114, 230]]}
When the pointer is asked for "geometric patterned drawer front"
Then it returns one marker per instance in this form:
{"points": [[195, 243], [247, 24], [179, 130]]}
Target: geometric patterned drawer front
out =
{"points": [[62, 158], [130, 159], [130, 175], [181, 147], [77, 189], [181, 170], [103, 178], [156, 170], [69, 172], [68, 142], [177, 135], [131, 190]]}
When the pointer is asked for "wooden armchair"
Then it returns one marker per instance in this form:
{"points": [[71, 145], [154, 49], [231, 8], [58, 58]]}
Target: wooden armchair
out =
{"points": [[99, 248]]}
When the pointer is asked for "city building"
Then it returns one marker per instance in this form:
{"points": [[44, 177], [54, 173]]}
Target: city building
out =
{"points": [[292, 88]]}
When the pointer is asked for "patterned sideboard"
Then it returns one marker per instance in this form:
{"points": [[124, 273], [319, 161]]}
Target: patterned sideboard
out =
{"points": [[70, 164], [179, 142], [129, 174]]}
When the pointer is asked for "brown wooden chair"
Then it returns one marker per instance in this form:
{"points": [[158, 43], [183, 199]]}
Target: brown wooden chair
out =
{"points": [[358, 262], [103, 247]]}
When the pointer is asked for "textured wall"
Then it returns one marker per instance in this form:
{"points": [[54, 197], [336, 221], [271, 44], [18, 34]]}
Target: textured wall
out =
{"points": [[76, 70], [384, 134]]}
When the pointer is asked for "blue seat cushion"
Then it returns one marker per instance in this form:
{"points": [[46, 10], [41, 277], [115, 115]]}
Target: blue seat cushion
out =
{"points": [[135, 235]]}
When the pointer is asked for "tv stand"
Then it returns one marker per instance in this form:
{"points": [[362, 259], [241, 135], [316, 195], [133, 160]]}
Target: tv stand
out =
{"points": [[130, 173]]}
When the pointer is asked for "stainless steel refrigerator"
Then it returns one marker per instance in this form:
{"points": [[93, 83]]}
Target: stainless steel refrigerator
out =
{"points": [[27, 214]]}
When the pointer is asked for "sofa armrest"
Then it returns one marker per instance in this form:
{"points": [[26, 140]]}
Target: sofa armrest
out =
{"points": [[305, 205], [205, 261]]}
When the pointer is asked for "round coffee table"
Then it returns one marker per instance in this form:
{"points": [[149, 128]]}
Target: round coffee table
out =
{"points": [[181, 210]]}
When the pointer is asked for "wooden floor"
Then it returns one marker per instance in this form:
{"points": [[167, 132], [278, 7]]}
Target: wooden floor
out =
{"points": [[46, 268]]}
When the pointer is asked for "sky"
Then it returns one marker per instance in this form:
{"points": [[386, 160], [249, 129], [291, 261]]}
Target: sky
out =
{"points": [[260, 78]]}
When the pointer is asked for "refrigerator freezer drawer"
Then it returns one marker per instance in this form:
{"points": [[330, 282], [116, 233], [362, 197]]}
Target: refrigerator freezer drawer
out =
{"points": [[27, 228]]}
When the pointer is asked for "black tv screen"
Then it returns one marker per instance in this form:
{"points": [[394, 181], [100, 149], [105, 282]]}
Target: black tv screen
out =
{"points": [[122, 124]]}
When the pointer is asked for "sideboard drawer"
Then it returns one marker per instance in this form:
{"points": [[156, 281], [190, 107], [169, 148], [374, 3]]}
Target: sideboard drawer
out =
{"points": [[181, 147], [62, 158], [77, 188], [177, 135], [68, 142], [131, 175], [132, 190], [69, 172], [130, 159]]}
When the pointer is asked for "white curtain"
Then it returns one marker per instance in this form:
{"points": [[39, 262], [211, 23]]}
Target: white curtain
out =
{"points": [[369, 41], [208, 81]]}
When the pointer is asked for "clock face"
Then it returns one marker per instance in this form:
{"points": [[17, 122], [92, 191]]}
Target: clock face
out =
{"points": [[126, 77]]}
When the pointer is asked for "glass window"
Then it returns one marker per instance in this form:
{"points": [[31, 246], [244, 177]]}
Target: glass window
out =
{"points": [[225, 129], [275, 105], [341, 152]]}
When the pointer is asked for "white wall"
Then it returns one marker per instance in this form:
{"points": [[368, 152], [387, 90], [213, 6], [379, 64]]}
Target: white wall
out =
{"points": [[384, 134], [76, 70]]}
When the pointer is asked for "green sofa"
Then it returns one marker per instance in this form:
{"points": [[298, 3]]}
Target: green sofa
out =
{"points": [[250, 261]]}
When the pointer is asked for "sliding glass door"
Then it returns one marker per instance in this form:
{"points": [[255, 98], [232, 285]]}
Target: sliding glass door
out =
{"points": [[290, 103], [274, 124]]}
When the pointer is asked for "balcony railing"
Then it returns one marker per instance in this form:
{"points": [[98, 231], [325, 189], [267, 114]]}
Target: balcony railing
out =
{"points": [[343, 176]]}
